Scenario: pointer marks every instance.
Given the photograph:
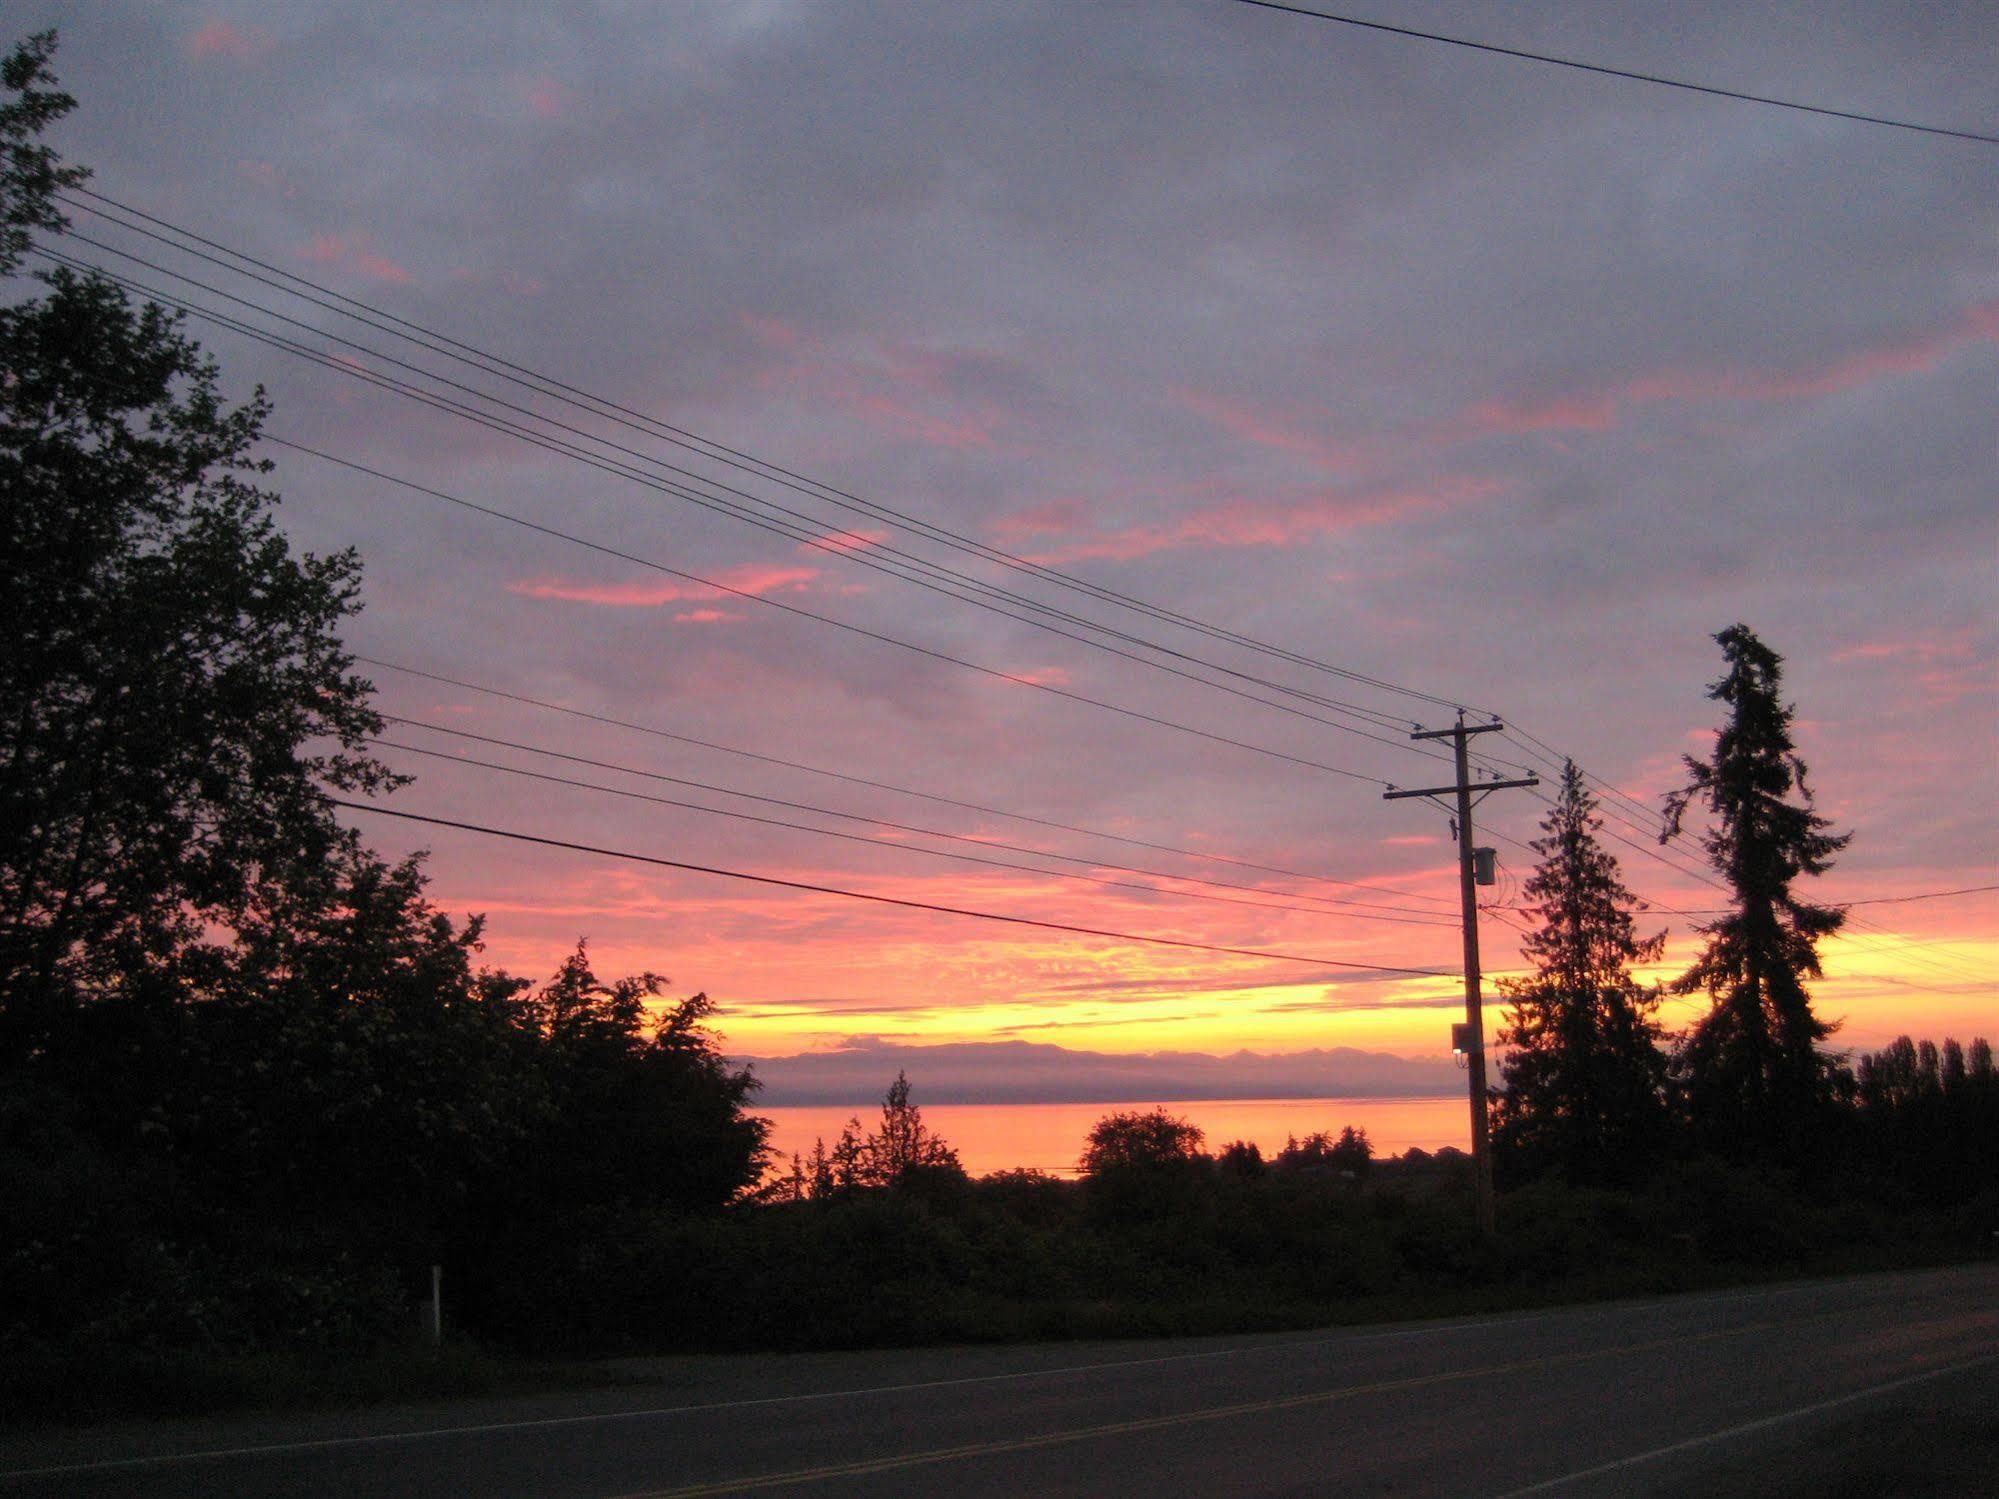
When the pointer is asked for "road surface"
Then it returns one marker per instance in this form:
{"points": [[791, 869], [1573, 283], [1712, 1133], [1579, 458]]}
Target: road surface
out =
{"points": [[1791, 1388]]}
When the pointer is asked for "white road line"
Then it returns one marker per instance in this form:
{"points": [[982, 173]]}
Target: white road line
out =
{"points": [[1748, 1426], [372, 1439], [598, 1417]]}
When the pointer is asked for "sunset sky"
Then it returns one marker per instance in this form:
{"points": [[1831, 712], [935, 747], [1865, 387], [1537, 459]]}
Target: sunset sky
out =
{"points": [[1503, 383]]}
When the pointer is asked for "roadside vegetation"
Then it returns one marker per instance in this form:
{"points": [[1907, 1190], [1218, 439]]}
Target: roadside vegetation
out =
{"points": [[253, 1084]]}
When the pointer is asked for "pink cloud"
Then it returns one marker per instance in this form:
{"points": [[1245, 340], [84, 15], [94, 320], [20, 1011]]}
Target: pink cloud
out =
{"points": [[762, 578], [771, 332], [845, 541], [1043, 676], [350, 252], [705, 617], [906, 421], [219, 39], [906, 389], [755, 579], [545, 98], [1268, 429], [1053, 517], [1956, 646], [1602, 410], [267, 176], [1945, 666], [1247, 523]]}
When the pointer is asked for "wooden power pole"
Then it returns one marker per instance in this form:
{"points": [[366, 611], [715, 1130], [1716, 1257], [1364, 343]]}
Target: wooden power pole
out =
{"points": [[1467, 794]]}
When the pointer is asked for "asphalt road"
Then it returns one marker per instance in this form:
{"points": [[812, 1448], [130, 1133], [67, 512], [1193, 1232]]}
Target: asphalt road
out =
{"points": [[1773, 1390]]}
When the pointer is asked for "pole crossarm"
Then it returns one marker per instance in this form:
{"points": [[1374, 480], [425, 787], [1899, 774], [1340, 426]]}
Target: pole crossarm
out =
{"points": [[1459, 730], [1396, 796]]}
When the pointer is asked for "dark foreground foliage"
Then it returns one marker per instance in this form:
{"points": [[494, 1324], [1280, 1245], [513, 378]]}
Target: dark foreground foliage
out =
{"points": [[1012, 1256], [1200, 1248]]}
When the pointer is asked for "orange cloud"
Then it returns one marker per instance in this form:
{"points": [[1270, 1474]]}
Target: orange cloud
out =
{"points": [[219, 39], [350, 252]]}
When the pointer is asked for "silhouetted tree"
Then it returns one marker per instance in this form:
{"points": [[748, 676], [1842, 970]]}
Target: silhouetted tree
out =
{"points": [[643, 1114], [275, 1066], [170, 664], [1752, 1068], [1348, 1153], [1151, 1140], [1927, 1118], [1241, 1158], [903, 1150], [1353, 1151], [1145, 1166], [902, 1153], [1583, 1077]]}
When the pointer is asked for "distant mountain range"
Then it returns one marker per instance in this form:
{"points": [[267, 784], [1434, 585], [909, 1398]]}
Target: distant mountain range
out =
{"points": [[990, 1072]]}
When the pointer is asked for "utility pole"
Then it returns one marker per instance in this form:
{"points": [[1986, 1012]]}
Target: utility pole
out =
{"points": [[1473, 1031]]}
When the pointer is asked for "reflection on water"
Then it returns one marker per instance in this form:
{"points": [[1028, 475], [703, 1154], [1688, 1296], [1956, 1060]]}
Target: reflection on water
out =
{"points": [[993, 1137]]}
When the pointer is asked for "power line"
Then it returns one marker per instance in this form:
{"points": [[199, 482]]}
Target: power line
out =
{"points": [[1406, 917], [801, 528], [1866, 935], [387, 322], [884, 900], [1862, 933], [1628, 74], [443, 403], [857, 780], [1553, 759], [235, 325], [566, 449], [1879, 900]]}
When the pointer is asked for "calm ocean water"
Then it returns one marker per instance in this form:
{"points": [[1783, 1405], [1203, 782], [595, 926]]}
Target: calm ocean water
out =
{"points": [[993, 1137]]}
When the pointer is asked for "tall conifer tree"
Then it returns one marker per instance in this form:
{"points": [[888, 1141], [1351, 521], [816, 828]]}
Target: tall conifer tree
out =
{"points": [[1752, 1069], [1583, 1076]]}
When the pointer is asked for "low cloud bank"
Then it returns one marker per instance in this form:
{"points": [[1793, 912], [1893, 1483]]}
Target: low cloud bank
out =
{"points": [[992, 1072]]}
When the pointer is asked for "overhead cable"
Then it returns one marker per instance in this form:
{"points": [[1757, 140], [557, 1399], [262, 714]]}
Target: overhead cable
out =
{"points": [[429, 338], [849, 778], [1335, 905], [884, 900], [1629, 74], [235, 325]]}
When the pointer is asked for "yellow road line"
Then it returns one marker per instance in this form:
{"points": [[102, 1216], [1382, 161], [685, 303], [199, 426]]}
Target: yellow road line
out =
{"points": [[1156, 1423]]}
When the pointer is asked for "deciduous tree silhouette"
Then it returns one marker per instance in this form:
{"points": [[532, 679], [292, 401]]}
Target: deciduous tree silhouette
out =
{"points": [[170, 663], [1147, 1140], [1348, 1153]]}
